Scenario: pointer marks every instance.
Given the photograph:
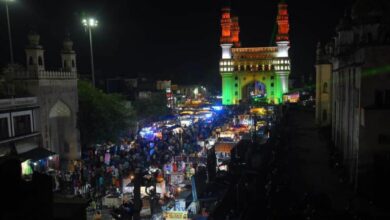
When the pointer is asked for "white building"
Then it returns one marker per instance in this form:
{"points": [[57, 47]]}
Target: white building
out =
{"points": [[57, 96]]}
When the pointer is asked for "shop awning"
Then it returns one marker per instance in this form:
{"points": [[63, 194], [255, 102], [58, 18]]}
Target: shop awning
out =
{"points": [[223, 147], [36, 154]]}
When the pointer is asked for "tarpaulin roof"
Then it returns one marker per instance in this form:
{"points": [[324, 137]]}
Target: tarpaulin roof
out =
{"points": [[36, 154]]}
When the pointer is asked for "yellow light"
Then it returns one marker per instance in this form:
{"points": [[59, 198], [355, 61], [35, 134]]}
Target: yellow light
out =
{"points": [[258, 111], [90, 22]]}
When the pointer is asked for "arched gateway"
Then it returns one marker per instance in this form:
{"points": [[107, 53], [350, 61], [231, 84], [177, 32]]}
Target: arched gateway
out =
{"points": [[60, 120], [253, 91], [241, 68]]}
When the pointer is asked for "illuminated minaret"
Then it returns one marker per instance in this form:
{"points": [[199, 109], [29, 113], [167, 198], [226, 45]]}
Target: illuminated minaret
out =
{"points": [[283, 45], [235, 32], [226, 34], [229, 36]]}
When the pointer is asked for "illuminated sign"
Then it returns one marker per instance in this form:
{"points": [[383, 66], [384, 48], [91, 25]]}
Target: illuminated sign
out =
{"points": [[175, 215]]}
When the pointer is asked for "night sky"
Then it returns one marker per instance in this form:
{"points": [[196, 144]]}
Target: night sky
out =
{"points": [[176, 40]]}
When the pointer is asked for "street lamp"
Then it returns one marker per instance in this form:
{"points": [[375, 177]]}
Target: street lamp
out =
{"points": [[11, 53], [90, 23]]}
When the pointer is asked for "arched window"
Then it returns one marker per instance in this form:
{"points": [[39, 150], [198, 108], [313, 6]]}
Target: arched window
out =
{"points": [[65, 64], [30, 61], [325, 88], [40, 61]]}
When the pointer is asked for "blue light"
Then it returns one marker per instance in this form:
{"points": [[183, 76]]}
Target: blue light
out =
{"points": [[217, 108]]}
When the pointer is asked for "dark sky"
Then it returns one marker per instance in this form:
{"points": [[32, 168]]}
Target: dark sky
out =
{"points": [[170, 39]]}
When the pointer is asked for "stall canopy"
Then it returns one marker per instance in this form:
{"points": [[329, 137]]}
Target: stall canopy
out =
{"points": [[36, 154], [224, 147]]}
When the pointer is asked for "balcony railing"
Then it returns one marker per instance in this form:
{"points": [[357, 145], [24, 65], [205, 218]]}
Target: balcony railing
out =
{"points": [[16, 102], [45, 75]]}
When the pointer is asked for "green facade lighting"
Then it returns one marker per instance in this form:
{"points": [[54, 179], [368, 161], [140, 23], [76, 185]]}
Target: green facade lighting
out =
{"points": [[240, 67], [227, 89]]}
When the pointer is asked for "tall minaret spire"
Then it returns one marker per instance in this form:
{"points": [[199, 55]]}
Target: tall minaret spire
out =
{"points": [[226, 33], [282, 38], [226, 25], [229, 37], [235, 32], [283, 45]]}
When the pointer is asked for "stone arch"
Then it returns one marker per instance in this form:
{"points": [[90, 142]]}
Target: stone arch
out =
{"points": [[60, 127], [325, 87], [30, 61], [60, 109], [40, 61], [253, 88]]}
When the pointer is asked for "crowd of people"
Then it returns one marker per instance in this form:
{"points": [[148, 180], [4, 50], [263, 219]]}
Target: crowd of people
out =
{"points": [[103, 167]]}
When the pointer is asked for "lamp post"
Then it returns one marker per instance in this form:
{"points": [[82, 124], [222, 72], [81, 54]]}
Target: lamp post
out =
{"points": [[11, 53], [90, 23]]}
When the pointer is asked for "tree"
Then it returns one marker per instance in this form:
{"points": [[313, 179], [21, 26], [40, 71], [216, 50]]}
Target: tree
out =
{"points": [[156, 105], [102, 117]]}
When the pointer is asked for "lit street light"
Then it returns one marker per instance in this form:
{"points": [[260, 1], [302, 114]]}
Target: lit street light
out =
{"points": [[11, 53], [90, 23]]}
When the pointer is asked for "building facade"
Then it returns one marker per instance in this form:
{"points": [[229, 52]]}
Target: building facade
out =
{"points": [[19, 125], [323, 87], [57, 96], [254, 73], [163, 85], [361, 96]]}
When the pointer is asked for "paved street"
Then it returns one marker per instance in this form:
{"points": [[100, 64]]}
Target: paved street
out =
{"points": [[312, 180], [309, 160]]}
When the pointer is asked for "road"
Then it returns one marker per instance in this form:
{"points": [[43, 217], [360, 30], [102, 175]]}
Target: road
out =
{"points": [[315, 189]]}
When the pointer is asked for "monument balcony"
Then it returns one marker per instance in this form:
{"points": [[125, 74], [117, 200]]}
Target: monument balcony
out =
{"points": [[264, 68], [44, 75]]}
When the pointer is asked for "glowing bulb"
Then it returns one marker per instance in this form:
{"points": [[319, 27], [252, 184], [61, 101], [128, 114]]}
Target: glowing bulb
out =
{"points": [[90, 22]]}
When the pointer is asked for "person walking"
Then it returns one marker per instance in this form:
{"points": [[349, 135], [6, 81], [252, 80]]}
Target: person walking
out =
{"points": [[97, 216]]}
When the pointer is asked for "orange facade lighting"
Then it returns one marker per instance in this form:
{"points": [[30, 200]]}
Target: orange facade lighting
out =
{"points": [[230, 28], [283, 23]]}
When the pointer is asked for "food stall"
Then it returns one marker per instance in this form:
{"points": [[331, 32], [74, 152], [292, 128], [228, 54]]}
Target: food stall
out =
{"points": [[222, 153]]}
